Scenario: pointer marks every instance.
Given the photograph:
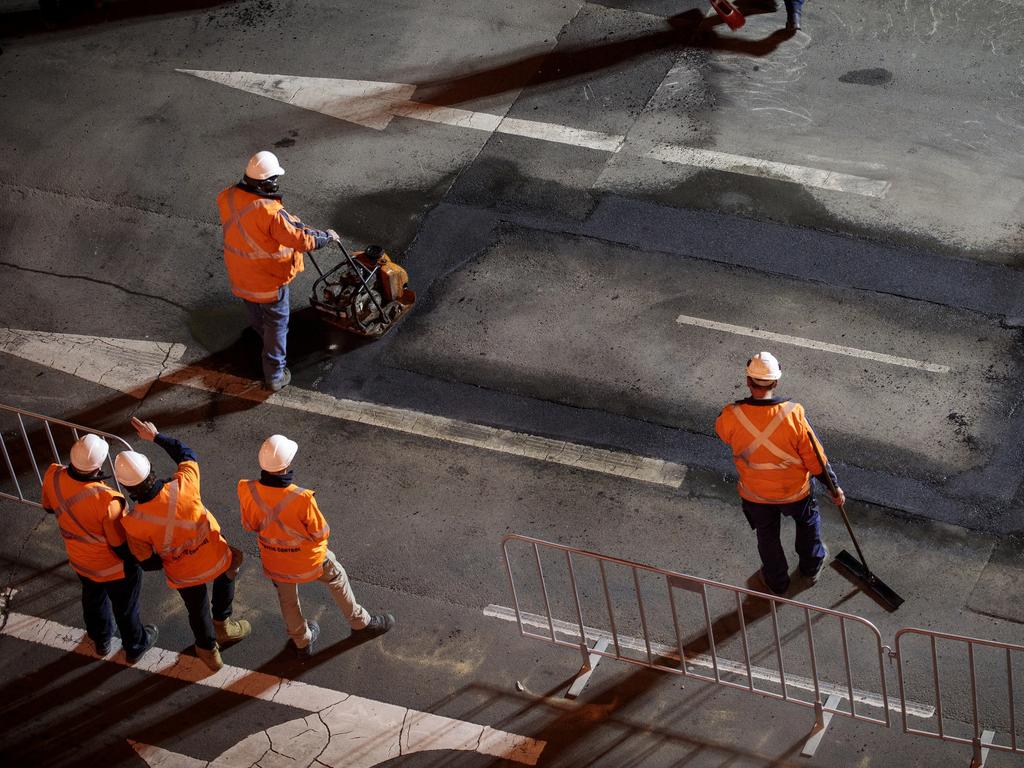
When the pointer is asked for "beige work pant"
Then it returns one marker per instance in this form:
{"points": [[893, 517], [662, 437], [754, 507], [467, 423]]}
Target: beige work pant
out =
{"points": [[336, 579]]}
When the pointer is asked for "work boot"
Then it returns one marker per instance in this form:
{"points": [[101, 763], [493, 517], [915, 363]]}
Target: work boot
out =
{"points": [[210, 658], [280, 383], [231, 630], [314, 633], [793, 21], [379, 624], [151, 635], [762, 584], [813, 577], [237, 556], [102, 649]]}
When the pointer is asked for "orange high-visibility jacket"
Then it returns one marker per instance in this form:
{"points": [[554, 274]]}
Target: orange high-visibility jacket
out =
{"points": [[89, 518], [263, 244], [771, 446], [292, 531], [183, 532]]}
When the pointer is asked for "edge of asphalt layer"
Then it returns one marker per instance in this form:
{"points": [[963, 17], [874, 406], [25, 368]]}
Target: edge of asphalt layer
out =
{"points": [[452, 234]]}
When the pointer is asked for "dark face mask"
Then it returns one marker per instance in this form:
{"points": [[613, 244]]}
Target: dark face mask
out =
{"points": [[263, 186]]}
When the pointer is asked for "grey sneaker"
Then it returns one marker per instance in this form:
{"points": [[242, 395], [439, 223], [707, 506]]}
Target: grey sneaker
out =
{"points": [[278, 384], [760, 581], [151, 635], [379, 624], [314, 634]]}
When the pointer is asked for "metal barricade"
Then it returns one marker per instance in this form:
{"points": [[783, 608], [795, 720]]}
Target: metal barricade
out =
{"points": [[28, 456], [982, 739], [683, 659]]}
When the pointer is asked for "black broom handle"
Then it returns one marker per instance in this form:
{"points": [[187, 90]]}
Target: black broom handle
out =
{"points": [[832, 490]]}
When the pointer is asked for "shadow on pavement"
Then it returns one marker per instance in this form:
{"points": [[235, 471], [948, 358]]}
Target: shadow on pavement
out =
{"points": [[78, 16]]}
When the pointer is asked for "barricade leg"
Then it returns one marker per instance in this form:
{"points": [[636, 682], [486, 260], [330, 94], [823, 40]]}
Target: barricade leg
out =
{"points": [[590, 662], [981, 750], [822, 718]]}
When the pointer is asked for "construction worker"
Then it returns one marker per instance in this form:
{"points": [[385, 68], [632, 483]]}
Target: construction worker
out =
{"points": [[170, 520], [89, 516], [263, 252], [771, 446], [293, 545]]}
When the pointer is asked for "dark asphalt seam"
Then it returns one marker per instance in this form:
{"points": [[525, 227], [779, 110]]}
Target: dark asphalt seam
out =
{"points": [[95, 280], [110, 204]]}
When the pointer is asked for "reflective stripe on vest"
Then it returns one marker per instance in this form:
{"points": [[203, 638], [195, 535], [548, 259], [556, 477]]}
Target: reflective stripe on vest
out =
{"points": [[97, 575], [170, 523], [64, 508], [234, 221], [750, 495], [271, 515], [308, 575], [203, 577], [762, 439]]}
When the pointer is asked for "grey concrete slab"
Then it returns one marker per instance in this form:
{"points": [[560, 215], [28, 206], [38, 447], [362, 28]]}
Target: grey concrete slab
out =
{"points": [[586, 323]]}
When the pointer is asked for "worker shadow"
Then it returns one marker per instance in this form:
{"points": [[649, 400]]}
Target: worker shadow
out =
{"points": [[76, 17], [608, 725], [689, 30]]}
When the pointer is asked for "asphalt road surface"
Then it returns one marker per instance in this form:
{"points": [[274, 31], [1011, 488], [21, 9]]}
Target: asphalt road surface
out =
{"points": [[605, 209]]}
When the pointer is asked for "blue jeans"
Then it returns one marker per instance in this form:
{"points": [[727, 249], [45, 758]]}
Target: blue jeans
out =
{"points": [[270, 321], [201, 614], [794, 6], [121, 595], [766, 520]]}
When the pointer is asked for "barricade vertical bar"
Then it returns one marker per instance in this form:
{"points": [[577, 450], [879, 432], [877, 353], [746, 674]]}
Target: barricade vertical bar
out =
{"points": [[778, 651], [814, 659], [28, 449], [53, 445], [10, 468], [512, 584], [974, 690], [1013, 712], [643, 616], [710, 630], [846, 663], [579, 609], [675, 624], [544, 589], [938, 689], [743, 636], [885, 686], [74, 433], [611, 613]]}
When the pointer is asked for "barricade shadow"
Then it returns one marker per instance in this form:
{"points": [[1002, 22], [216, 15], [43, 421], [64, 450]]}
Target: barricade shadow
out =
{"points": [[567, 724]]}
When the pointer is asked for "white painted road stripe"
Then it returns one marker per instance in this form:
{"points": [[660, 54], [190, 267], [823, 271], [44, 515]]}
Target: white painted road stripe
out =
{"points": [[134, 366], [373, 104], [769, 169], [571, 630], [797, 341], [376, 729]]}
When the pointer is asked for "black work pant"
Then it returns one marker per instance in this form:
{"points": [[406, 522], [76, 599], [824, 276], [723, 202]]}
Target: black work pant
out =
{"points": [[766, 520], [203, 611], [106, 603]]}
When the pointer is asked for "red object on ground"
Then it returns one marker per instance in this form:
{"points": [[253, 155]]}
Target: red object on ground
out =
{"points": [[729, 13]]}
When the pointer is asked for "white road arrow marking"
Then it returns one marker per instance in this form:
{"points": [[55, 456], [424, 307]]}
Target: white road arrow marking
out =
{"points": [[343, 731], [373, 104], [148, 362]]}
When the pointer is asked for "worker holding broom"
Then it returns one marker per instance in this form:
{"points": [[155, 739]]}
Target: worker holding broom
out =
{"points": [[776, 453]]}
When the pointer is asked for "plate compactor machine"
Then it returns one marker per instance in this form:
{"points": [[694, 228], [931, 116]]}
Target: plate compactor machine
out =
{"points": [[366, 293]]}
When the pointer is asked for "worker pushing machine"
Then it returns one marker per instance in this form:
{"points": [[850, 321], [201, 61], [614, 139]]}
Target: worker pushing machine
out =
{"points": [[263, 252], [170, 520], [293, 535], [89, 514], [772, 447]]}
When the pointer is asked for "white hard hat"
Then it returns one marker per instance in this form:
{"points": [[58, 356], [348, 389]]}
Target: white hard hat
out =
{"points": [[131, 468], [263, 165], [764, 367], [277, 452], [89, 453]]}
